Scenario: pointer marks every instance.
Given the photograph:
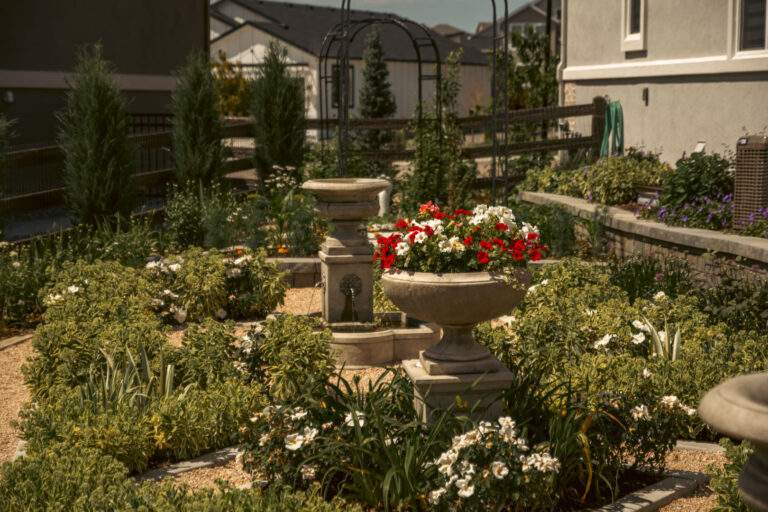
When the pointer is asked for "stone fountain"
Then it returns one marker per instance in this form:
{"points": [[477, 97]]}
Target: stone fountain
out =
{"points": [[346, 264], [739, 409]]}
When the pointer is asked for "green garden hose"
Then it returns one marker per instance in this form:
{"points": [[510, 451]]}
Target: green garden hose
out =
{"points": [[614, 125]]}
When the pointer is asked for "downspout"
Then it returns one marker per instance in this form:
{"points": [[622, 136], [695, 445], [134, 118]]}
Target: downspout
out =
{"points": [[563, 51]]}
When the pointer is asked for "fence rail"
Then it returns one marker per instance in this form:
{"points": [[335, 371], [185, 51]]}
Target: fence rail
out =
{"points": [[34, 177]]}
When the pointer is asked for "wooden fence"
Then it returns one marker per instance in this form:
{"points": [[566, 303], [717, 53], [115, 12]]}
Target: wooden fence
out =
{"points": [[33, 178]]}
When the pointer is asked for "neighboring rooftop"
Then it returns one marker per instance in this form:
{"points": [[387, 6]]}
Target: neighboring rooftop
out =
{"points": [[305, 27]]}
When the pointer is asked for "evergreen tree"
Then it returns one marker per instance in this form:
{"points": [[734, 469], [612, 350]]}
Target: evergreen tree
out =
{"points": [[98, 157], [279, 114], [376, 101], [197, 125]]}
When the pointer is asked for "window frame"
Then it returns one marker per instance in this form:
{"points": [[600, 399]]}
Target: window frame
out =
{"points": [[738, 33], [633, 42]]}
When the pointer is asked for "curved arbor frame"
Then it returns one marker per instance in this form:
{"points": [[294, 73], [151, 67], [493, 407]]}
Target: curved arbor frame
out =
{"points": [[336, 48]]}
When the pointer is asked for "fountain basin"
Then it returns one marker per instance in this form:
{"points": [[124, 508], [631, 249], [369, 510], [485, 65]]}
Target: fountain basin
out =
{"points": [[346, 190]]}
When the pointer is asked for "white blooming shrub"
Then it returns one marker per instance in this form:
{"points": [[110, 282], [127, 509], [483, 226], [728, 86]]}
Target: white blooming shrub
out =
{"points": [[493, 467]]}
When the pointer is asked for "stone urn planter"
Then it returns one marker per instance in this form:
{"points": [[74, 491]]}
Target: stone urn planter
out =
{"points": [[456, 302], [739, 409], [457, 367]]}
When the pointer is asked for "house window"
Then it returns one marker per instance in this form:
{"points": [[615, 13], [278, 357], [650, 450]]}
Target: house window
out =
{"points": [[633, 25], [337, 86], [753, 20]]}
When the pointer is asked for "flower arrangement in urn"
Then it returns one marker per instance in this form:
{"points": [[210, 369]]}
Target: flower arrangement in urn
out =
{"points": [[486, 239], [458, 269]]}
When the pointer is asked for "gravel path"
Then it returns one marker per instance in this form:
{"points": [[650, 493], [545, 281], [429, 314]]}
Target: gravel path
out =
{"points": [[302, 301], [231, 472], [14, 393], [691, 460]]}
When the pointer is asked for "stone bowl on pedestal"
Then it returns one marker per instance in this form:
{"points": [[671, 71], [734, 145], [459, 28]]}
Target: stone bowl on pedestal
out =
{"points": [[457, 370], [739, 409]]}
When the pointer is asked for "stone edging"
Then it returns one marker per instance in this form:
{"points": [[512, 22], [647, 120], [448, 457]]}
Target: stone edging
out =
{"points": [[677, 485], [751, 248], [15, 340]]}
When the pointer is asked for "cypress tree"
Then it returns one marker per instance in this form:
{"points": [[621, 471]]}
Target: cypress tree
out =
{"points": [[376, 100], [197, 125], [98, 157], [279, 114]]}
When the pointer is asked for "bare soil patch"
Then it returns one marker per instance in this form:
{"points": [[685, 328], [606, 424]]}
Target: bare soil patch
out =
{"points": [[14, 393]]}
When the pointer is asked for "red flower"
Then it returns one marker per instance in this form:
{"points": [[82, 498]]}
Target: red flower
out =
{"points": [[387, 261], [461, 211], [518, 255], [502, 227], [488, 246], [402, 224], [499, 242], [482, 257], [468, 241], [519, 246], [439, 215], [534, 254], [429, 207], [533, 236]]}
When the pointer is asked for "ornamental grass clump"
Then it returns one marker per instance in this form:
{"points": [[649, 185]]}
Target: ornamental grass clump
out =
{"points": [[486, 239]]}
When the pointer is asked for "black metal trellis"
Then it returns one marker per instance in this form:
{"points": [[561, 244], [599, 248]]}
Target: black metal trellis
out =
{"points": [[340, 38], [500, 158]]}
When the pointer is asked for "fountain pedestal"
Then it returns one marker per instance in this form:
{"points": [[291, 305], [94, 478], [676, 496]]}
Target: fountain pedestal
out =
{"points": [[346, 265], [739, 409]]}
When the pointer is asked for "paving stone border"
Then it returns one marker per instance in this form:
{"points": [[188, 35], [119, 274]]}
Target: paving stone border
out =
{"points": [[15, 340], [678, 484]]}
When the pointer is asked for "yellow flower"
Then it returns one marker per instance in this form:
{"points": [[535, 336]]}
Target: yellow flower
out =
{"points": [[282, 249]]}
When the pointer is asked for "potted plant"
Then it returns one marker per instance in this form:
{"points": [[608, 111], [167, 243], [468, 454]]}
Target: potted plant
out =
{"points": [[457, 269]]}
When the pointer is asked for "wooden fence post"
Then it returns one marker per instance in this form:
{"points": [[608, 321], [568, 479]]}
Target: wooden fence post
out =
{"points": [[598, 123]]}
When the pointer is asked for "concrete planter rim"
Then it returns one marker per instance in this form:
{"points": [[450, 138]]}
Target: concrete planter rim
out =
{"points": [[447, 278], [346, 190], [739, 407]]}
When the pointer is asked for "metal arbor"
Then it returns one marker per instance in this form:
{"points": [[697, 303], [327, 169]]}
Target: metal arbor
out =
{"points": [[500, 65], [338, 40]]}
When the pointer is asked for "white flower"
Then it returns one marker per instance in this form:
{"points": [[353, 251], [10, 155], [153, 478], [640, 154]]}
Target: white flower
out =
{"points": [[326, 425], [16, 264], [638, 339], [242, 260], [444, 245], [264, 439], [298, 414], [641, 412], [590, 312], [402, 248], [604, 341], [659, 296], [529, 228], [221, 314], [152, 265], [52, 299], [647, 374], [499, 470], [73, 289], [420, 237], [294, 441], [465, 489], [446, 461], [308, 472], [174, 267], [468, 439], [690, 411], [542, 462], [233, 272], [533, 288], [669, 401], [640, 326], [434, 496], [350, 418], [663, 336], [309, 434]]}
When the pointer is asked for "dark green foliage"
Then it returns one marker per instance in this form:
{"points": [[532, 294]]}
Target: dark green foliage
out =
{"points": [[5, 141], [279, 114], [98, 165], [725, 480], [696, 177], [206, 354], [556, 226], [737, 298], [376, 102], [440, 173], [197, 125], [65, 478], [642, 277]]}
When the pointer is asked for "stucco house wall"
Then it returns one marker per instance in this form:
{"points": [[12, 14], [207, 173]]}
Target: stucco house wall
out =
{"points": [[700, 86]]}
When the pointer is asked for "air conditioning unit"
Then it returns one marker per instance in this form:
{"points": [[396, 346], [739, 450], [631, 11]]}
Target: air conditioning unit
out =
{"points": [[751, 180]]}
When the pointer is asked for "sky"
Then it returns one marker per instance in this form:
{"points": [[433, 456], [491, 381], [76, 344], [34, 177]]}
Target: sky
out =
{"points": [[465, 14]]}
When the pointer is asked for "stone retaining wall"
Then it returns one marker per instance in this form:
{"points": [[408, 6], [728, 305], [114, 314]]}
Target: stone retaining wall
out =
{"points": [[301, 272], [624, 235]]}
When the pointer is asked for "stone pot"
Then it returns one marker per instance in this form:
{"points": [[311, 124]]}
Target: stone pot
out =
{"points": [[739, 409], [456, 302]]}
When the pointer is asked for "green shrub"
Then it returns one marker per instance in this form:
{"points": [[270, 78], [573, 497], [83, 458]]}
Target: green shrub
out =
{"points": [[65, 478], [206, 354], [738, 298], [289, 355], [642, 276], [289, 224], [197, 126], [725, 480], [616, 180], [279, 114], [556, 226], [255, 286], [696, 177], [98, 158]]}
